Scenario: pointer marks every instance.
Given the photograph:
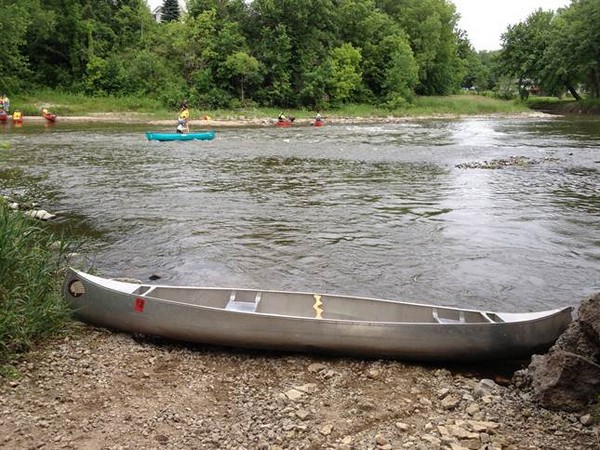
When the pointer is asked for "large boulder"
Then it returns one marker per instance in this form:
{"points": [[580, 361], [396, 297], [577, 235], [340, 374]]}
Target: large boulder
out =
{"points": [[565, 381], [568, 376]]}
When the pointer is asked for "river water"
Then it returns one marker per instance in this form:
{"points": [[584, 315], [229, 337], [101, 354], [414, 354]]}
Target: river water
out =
{"points": [[374, 210]]}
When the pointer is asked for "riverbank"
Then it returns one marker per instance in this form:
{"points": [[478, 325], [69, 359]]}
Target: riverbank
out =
{"points": [[99, 389], [131, 108], [243, 121]]}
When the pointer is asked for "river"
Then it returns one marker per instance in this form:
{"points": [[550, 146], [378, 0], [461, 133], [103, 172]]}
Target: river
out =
{"points": [[375, 210]]}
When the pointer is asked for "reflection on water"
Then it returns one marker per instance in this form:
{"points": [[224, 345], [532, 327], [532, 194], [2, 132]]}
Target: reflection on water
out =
{"points": [[381, 210]]}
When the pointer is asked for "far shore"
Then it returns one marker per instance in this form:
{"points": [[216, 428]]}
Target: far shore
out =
{"points": [[254, 121]]}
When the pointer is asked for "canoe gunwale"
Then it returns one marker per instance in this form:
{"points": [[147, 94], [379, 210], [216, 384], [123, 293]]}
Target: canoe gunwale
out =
{"points": [[532, 317]]}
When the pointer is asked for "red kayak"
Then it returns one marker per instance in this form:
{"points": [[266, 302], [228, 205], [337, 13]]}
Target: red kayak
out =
{"points": [[49, 117], [318, 123], [3, 115], [284, 123]]}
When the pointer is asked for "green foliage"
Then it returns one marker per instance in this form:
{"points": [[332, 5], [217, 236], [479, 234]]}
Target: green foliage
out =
{"points": [[430, 25], [289, 53], [523, 49], [242, 66], [401, 73], [344, 72], [14, 22], [31, 306], [556, 51], [573, 55]]}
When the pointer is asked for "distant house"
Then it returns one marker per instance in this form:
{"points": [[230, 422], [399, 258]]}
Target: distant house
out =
{"points": [[157, 14]]}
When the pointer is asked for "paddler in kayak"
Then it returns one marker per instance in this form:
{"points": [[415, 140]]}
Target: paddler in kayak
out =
{"points": [[182, 120], [282, 118]]}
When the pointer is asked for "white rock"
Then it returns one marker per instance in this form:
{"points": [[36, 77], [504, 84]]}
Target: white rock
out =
{"points": [[450, 402], [586, 420], [41, 214], [326, 430], [294, 394], [402, 426], [316, 367]]}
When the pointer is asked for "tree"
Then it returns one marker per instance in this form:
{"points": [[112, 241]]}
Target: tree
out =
{"points": [[573, 54], [170, 11], [14, 22], [402, 72], [274, 48], [430, 26], [345, 75], [242, 66], [523, 47]]}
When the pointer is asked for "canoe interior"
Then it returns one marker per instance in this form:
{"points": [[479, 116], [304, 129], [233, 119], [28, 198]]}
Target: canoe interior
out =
{"points": [[304, 305]]}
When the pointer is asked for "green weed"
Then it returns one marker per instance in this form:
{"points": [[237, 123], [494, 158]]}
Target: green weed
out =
{"points": [[31, 305]]}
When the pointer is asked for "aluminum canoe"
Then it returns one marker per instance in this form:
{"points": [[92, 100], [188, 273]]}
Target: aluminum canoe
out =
{"points": [[312, 322], [202, 136]]}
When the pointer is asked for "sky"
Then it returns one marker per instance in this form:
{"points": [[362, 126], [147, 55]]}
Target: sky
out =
{"points": [[486, 20]]}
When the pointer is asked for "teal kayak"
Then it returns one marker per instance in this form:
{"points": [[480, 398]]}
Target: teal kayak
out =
{"points": [[203, 136]]}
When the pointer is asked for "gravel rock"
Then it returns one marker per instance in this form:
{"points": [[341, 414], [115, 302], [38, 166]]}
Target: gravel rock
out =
{"points": [[104, 390]]}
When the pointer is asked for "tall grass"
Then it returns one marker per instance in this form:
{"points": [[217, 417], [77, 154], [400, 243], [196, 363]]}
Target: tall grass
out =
{"points": [[31, 304], [421, 106], [66, 104]]}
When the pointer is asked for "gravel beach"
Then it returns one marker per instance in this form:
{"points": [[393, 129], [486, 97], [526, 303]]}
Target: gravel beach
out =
{"points": [[104, 390]]}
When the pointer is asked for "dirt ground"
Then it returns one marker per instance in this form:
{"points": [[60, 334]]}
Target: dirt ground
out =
{"points": [[100, 389]]}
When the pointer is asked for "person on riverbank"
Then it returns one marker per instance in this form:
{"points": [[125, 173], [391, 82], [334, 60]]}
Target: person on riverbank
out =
{"points": [[17, 117], [5, 103], [182, 120]]}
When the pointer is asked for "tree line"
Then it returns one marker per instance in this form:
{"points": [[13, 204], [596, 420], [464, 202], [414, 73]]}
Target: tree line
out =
{"points": [[281, 53], [555, 51]]}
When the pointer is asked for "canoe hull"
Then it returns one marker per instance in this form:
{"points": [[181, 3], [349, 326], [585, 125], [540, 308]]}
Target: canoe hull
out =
{"points": [[50, 117], [215, 316], [283, 123], [204, 136]]}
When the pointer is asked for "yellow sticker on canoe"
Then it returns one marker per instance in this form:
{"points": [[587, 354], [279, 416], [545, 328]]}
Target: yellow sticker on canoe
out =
{"points": [[316, 307]]}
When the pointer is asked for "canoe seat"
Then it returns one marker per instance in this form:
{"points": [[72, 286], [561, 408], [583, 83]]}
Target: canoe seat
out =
{"points": [[447, 316], [459, 318], [243, 301]]}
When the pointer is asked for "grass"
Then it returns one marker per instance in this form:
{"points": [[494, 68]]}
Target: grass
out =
{"points": [[564, 105], [31, 305], [66, 104], [468, 104], [422, 106]]}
